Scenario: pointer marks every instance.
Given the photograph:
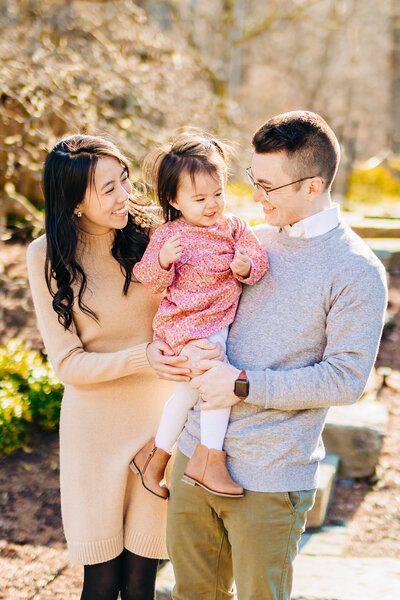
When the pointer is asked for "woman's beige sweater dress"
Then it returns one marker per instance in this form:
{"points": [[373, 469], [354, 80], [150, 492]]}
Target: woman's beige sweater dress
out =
{"points": [[111, 406]]}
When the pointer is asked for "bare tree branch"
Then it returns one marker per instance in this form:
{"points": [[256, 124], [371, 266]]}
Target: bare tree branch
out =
{"points": [[256, 29], [231, 41]]}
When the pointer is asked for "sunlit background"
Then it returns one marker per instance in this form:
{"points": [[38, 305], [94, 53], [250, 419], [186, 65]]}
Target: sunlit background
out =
{"points": [[139, 72]]}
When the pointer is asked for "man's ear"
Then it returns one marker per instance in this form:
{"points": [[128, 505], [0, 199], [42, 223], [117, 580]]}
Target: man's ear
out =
{"points": [[314, 187]]}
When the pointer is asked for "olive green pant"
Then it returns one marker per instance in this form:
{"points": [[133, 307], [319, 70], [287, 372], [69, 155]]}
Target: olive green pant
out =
{"points": [[213, 541]]}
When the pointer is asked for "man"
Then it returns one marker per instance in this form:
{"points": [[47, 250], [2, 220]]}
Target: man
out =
{"points": [[305, 338]]}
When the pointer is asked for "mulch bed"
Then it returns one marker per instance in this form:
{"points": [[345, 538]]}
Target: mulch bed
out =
{"points": [[29, 494]]}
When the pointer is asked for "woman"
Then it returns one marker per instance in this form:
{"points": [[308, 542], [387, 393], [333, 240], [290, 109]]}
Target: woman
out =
{"points": [[96, 325]]}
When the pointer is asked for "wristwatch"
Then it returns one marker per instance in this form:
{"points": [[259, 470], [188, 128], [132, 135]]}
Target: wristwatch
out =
{"points": [[242, 386]]}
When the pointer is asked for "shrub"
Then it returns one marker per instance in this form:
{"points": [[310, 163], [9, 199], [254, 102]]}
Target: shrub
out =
{"points": [[45, 395], [15, 420], [374, 185], [29, 393]]}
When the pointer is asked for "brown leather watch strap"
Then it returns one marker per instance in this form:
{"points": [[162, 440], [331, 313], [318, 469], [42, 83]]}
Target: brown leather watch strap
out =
{"points": [[241, 389]]}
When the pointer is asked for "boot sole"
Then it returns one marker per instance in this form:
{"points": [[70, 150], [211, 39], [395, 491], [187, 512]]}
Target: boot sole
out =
{"points": [[189, 480], [133, 467]]}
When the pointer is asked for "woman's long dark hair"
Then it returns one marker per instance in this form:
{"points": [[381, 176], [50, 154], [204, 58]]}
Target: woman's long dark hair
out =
{"points": [[69, 170]]}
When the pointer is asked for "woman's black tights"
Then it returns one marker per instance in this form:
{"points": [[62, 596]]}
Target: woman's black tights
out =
{"points": [[132, 575]]}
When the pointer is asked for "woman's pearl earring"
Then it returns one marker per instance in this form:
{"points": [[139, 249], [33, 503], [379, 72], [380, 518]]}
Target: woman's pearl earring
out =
{"points": [[78, 214]]}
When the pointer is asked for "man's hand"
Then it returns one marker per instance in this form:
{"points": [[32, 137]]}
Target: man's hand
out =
{"points": [[241, 264], [216, 384], [166, 364], [170, 252], [199, 350]]}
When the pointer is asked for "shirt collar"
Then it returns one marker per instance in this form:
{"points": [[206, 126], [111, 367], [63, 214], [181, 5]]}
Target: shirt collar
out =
{"points": [[317, 224]]}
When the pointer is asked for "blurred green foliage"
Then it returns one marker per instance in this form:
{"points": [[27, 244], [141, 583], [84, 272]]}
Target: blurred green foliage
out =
{"points": [[378, 184], [239, 200], [15, 420], [239, 193], [30, 394]]}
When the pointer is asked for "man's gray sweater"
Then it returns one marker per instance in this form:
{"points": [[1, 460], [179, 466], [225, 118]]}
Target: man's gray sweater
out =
{"points": [[307, 335]]}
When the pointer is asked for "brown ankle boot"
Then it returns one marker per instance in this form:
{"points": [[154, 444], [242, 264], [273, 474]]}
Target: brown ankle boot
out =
{"points": [[150, 463], [207, 468]]}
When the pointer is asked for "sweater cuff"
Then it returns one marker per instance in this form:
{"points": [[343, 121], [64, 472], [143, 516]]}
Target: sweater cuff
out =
{"points": [[138, 356], [257, 388]]}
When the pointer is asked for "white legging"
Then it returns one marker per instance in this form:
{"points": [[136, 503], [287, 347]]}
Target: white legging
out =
{"points": [[213, 423]]}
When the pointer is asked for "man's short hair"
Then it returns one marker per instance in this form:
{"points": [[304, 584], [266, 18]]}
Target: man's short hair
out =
{"points": [[309, 143]]}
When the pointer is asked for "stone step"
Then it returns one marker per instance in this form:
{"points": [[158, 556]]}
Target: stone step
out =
{"points": [[355, 433], [322, 572], [165, 582], [321, 577], [328, 471]]}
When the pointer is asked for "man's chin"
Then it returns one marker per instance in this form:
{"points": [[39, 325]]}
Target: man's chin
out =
{"points": [[270, 220]]}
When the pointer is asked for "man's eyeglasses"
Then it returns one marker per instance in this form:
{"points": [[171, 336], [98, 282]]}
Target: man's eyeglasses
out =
{"points": [[266, 191]]}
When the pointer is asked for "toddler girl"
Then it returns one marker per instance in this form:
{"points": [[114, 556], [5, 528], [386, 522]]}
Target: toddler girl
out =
{"points": [[200, 257]]}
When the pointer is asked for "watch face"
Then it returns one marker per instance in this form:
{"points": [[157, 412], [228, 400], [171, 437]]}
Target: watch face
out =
{"points": [[241, 388]]}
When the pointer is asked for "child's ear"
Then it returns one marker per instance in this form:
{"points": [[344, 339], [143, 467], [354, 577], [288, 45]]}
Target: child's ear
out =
{"points": [[173, 203]]}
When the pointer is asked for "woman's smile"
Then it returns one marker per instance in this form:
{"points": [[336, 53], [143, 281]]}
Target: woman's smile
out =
{"points": [[122, 212]]}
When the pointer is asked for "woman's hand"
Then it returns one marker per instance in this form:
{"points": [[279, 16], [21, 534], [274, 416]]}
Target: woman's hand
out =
{"points": [[170, 252], [197, 350], [166, 364]]}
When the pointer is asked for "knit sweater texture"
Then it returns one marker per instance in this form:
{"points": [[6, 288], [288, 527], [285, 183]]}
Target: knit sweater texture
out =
{"points": [[307, 335], [111, 406]]}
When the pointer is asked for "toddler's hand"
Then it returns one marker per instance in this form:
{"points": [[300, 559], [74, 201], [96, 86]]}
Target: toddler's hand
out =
{"points": [[241, 264], [170, 252]]}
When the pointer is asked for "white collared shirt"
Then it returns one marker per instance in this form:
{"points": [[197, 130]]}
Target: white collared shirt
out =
{"points": [[317, 224]]}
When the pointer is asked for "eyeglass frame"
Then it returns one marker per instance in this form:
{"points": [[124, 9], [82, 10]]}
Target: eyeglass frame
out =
{"points": [[256, 184]]}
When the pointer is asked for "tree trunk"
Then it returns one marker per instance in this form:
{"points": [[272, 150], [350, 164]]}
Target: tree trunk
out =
{"points": [[395, 117], [236, 57]]}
